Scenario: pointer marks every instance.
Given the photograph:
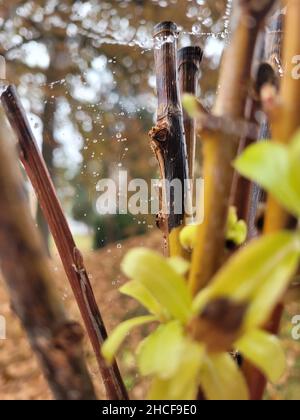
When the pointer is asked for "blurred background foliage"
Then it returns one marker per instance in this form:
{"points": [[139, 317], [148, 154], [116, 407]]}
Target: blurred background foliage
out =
{"points": [[84, 70]]}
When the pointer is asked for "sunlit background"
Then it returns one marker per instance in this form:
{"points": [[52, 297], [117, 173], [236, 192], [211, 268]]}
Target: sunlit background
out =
{"points": [[84, 70]]}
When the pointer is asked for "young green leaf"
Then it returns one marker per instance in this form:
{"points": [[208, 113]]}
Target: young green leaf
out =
{"points": [[138, 291], [165, 284], [221, 379], [236, 229], [294, 155], [264, 351], [178, 264], [183, 385], [188, 236], [114, 341], [161, 352], [268, 164], [190, 104]]}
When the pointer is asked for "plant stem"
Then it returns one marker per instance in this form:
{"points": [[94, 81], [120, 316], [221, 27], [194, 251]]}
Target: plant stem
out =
{"points": [[219, 149], [70, 255], [56, 341], [284, 123], [167, 137]]}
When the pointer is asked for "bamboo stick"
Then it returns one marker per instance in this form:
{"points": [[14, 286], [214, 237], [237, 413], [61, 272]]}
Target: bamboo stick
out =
{"points": [[189, 60], [285, 121], [56, 341], [167, 137], [70, 255], [220, 149]]}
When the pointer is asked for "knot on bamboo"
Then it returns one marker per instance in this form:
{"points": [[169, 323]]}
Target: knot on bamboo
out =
{"points": [[160, 132]]}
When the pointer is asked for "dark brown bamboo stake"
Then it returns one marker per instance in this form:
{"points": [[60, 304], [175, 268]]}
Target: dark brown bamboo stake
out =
{"points": [[220, 149], [189, 60], [167, 137], [56, 341], [70, 255]]}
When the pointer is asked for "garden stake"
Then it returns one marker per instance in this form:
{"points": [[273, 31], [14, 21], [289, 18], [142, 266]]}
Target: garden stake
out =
{"points": [[70, 255], [220, 149], [167, 137], [285, 121], [56, 341], [189, 60]]}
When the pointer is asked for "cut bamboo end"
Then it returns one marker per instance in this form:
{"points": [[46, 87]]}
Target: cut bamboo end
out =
{"points": [[2, 68], [192, 54], [166, 28]]}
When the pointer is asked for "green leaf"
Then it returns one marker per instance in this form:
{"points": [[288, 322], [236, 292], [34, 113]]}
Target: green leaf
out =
{"points": [[114, 341], [236, 229], [160, 353], [188, 236], [268, 164], [139, 292], [264, 351], [168, 287], [221, 379], [178, 264], [294, 154], [257, 274], [190, 104], [183, 385]]}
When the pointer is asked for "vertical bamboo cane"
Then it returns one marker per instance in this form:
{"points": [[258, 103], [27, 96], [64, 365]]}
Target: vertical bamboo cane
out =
{"points": [[220, 149], [285, 122], [167, 137], [189, 60], [70, 255], [56, 341]]}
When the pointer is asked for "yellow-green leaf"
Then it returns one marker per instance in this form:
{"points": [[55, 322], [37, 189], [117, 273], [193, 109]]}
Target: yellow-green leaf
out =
{"points": [[268, 164], [188, 236], [236, 229], [115, 339], [294, 155], [190, 104], [258, 273], [179, 264], [221, 379], [139, 292], [160, 353], [164, 283], [183, 385], [264, 351]]}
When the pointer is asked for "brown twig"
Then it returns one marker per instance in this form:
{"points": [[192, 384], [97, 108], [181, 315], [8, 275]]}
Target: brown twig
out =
{"points": [[70, 255], [56, 341]]}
